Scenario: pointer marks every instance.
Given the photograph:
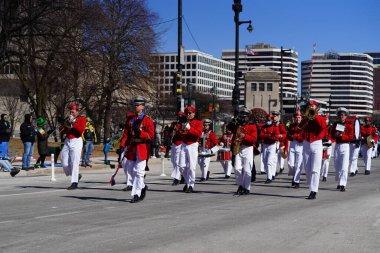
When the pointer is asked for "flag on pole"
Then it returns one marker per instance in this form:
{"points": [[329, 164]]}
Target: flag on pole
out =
{"points": [[249, 51]]}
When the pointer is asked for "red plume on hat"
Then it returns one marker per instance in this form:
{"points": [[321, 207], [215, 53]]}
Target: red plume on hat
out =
{"points": [[297, 114], [73, 107], [368, 119], [181, 114], [313, 102]]}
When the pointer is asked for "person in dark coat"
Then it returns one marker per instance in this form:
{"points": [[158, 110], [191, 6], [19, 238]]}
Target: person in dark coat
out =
{"points": [[5, 135], [42, 142], [28, 137]]}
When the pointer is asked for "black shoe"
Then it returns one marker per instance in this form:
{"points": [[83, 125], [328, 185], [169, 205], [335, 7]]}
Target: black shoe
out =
{"points": [[175, 182], [293, 183], [79, 177], [190, 190], [14, 172], [281, 170], [268, 181], [352, 174], [73, 186], [356, 172], [342, 188], [135, 199], [208, 175], [274, 177], [25, 168], [227, 176], [312, 195], [263, 173], [185, 188], [128, 188], [367, 172], [253, 178], [324, 179], [239, 190], [296, 185], [31, 168], [182, 181], [338, 187], [202, 179], [143, 192], [246, 192]]}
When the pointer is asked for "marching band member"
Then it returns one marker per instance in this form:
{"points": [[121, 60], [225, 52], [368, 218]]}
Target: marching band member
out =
{"points": [[327, 150], [295, 151], [282, 145], [192, 131], [354, 147], [207, 143], [270, 134], [244, 137], [138, 132], [225, 155], [369, 137], [70, 155], [268, 122], [313, 126], [176, 147], [343, 134]]}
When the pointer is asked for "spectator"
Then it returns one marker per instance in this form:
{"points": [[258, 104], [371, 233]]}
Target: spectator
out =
{"points": [[155, 145], [42, 142], [28, 137], [5, 164], [106, 149], [5, 135], [89, 137], [168, 133]]}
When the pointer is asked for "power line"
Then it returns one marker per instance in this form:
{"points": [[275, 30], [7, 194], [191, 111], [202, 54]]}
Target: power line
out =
{"points": [[167, 21], [191, 33]]}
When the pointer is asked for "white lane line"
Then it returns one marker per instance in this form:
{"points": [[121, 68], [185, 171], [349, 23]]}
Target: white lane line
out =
{"points": [[30, 193], [6, 221], [56, 215]]}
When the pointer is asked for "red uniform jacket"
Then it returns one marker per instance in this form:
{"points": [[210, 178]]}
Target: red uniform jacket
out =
{"points": [[313, 130], [211, 140], [250, 133], [194, 133], [226, 139], [294, 133], [366, 131], [137, 145], [269, 134], [283, 140], [177, 136], [347, 135], [77, 128]]}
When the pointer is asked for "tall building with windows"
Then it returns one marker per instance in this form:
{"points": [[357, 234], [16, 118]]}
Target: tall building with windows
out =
{"points": [[261, 54], [376, 80], [341, 80], [203, 71]]}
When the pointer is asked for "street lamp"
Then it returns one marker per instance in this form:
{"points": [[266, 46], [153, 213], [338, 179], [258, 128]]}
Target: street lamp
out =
{"points": [[237, 7], [213, 92], [282, 91]]}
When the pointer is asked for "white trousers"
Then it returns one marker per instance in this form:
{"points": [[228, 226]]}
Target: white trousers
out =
{"points": [[137, 171], [204, 164], [227, 167], [373, 155], [243, 166], [280, 160], [326, 163], [366, 153], [188, 162], [312, 160], [354, 154], [295, 160], [70, 156], [128, 176], [341, 162], [270, 159], [175, 156], [262, 167]]}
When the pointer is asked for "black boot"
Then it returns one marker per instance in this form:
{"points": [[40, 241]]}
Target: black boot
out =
{"points": [[182, 180], [135, 199], [14, 172], [312, 195], [296, 185], [79, 177], [190, 189], [268, 181], [143, 192], [239, 190], [342, 188], [352, 174], [367, 172], [324, 179], [73, 186], [208, 175], [175, 182], [184, 188], [281, 170]]}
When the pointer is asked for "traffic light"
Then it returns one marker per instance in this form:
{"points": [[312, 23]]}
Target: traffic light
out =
{"points": [[177, 83]]}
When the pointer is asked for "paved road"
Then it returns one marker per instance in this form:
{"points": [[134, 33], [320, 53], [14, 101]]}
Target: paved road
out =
{"points": [[38, 215]]}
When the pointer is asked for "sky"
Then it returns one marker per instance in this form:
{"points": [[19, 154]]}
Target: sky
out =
{"points": [[343, 26]]}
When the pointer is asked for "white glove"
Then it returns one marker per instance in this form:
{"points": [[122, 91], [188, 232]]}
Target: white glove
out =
{"points": [[222, 144], [71, 118], [187, 126]]}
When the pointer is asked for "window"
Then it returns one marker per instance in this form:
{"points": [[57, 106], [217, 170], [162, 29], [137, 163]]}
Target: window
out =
{"points": [[269, 87], [253, 86], [261, 86]]}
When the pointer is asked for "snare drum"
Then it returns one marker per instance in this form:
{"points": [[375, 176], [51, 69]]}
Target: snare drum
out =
{"points": [[224, 154]]}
